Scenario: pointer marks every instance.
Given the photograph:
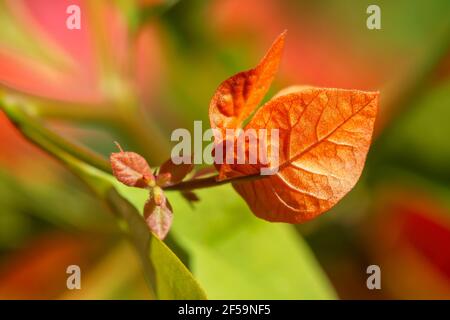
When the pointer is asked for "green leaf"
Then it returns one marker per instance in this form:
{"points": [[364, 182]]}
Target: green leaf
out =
{"points": [[234, 255], [238, 256], [167, 277]]}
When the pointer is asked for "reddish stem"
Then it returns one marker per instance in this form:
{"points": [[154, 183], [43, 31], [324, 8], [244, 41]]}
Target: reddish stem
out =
{"points": [[211, 182]]}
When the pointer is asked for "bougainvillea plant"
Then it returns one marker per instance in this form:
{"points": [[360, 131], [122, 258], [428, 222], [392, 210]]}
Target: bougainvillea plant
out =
{"points": [[324, 137]]}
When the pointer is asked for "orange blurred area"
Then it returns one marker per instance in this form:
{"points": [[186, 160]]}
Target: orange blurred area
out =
{"points": [[39, 271]]}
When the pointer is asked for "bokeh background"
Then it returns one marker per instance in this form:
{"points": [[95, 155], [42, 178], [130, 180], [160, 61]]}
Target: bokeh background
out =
{"points": [[139, 69]]}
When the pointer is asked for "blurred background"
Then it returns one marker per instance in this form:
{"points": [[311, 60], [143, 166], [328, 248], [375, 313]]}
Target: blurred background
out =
{"points": [[136, 70]]}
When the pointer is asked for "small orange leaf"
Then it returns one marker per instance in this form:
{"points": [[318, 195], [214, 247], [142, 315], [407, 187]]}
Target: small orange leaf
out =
{"points": [[237, 97], [324, 137], [131, 169]]}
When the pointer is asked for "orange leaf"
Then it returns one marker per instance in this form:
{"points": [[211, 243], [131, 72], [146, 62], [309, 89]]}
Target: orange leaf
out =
{"points": [[324, 137], [237, 97]]}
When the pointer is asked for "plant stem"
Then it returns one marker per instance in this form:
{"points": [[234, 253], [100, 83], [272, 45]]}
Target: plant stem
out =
{"points": [[211, 182]]}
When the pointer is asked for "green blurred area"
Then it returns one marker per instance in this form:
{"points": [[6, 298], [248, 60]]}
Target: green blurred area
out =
{"points": [[49, 219]]}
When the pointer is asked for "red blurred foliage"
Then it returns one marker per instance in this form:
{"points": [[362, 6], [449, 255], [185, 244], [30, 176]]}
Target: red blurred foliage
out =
{"points": [[426, 232]]}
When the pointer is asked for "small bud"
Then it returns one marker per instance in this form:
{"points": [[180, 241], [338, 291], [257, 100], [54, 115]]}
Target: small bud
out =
{"points": [[131, 169]]}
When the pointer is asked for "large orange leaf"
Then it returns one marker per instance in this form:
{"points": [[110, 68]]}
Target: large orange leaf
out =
{"points": [[324, 137]]}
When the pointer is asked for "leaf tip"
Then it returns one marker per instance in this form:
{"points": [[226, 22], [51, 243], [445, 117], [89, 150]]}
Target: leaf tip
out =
{"points": [[118, 146]]}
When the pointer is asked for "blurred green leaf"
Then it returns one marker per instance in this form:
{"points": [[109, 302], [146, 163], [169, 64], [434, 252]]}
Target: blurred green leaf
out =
{"points": [[235, 255], [418, 142], [234, 249]]}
